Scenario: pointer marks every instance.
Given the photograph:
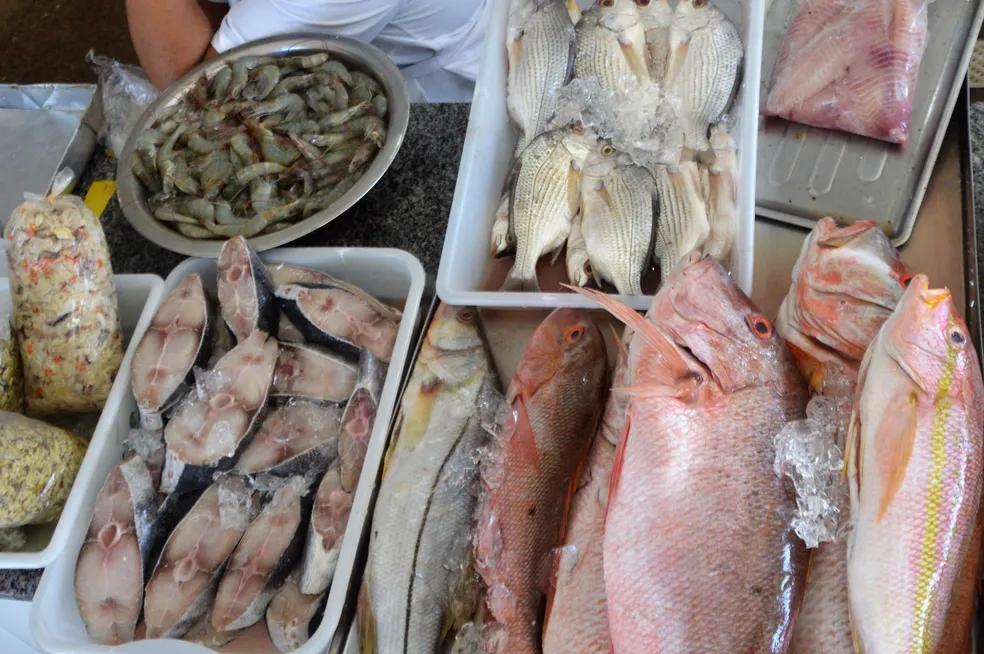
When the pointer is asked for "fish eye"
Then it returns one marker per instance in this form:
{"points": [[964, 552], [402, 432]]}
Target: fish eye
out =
{"points": [[906, 279], [466, 315], [578, 128], [607, 150], [573, 334], [643, 3], [607, 3], [957, 336], [699, 3], [760, 325]]}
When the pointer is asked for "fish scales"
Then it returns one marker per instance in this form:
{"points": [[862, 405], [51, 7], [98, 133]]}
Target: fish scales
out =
{"points": [[706, 52], [617, 224], [845, 284], [914, 464], [682, 225], [556, 399], [419, 578], [541, 58], [709, 370]]}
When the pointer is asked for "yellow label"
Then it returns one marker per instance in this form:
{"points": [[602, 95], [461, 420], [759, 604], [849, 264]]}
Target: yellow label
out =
{"points": [[99, 195]]}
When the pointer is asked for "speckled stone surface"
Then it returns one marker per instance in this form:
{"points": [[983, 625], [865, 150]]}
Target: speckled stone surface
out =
{"points": [[977, 163], [408, 209]]}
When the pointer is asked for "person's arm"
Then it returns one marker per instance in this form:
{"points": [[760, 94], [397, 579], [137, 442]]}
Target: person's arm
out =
{"points": [[172, 36]]}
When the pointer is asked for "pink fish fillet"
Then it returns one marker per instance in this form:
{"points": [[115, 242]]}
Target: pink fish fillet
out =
{"points": [[853, 71]]}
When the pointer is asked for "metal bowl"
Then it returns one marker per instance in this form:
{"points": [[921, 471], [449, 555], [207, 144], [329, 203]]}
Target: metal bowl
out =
{"points": [[354, 54]]}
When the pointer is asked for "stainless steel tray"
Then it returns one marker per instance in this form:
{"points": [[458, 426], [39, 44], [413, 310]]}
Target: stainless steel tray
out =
{"points": [[806, 173], [354, 54], [43, 128]]}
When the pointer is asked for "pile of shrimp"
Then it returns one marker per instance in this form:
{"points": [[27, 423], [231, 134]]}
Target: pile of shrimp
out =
{"points": [[262, 143]]}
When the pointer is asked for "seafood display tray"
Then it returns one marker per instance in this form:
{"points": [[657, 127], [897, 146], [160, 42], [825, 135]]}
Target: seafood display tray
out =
{"points": [[487, 158], [354, 54], [394, 277], [807, 173], [43, 128], [138, 297]]}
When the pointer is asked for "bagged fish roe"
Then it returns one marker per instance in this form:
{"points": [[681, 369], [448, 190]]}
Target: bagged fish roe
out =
{"points": [[65, 307]]}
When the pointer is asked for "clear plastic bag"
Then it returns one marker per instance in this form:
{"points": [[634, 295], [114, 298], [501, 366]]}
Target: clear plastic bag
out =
{"points": [[65, 307], [38, 465], [126, 92], [11, 371], [851, 65]]}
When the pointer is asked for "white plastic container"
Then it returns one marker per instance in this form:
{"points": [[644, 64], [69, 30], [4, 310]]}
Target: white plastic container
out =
{"points": [[393, 276], [487, 159], [138, 295]]}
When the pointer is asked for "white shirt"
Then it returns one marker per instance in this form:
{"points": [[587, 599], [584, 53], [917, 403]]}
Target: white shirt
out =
{"points": [[437, 43]]}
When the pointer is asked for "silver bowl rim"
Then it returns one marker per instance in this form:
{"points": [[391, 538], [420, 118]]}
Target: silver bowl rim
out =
{"points": [[132, 196]]}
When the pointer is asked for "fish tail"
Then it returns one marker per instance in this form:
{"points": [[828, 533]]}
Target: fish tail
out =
{"points": [[517, 284]]}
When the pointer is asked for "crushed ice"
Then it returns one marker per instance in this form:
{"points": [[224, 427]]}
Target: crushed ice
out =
{"points": [[807, 452]]}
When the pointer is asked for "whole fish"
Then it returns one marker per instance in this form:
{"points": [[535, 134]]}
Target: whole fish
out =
{"points": [[359, 418], [290, 613], [313, 373], [611, 45], [617, 219], [113, 561], [722, 197], [540, 46], [544, 198], [245, 290], [213, 426], [178, 339], [186, 576], [263, 558], [657, 16], [914, 461], [298, 437], [683, 224], [846, 282], [706, 369], [556, 400], [703, 71], [329, 517], [339, 319], [577, 617], [419, 585]]}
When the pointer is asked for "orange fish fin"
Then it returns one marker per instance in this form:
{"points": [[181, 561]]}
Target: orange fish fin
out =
{"points": [[812, 370], [894, 440], [854, 446], [523, 433], [617, 465], [623, 351], [642, 328]]}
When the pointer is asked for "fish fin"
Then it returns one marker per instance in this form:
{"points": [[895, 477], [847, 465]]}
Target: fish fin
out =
{"points": [[556, 255], [636, 58], [623, 351], [366, 621], [894, 440], [853, 447], [516, 284], [642, 327], [572, 43], [514, 51], [524, 436], [813, 371], [678, 54], [677, 390], [617, 465]]}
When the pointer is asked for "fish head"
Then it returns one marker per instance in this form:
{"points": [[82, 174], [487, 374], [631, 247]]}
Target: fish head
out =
{"points": [[580, 141], [454, 329], [708, 316], [600, 160], [692, 15], [655, 13], [847, 282], [617, 15], [567, 342], [928, 337]]}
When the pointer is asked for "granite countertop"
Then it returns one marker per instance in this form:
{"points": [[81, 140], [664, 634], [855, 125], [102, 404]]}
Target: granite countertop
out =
{"points": [[407, 209]]}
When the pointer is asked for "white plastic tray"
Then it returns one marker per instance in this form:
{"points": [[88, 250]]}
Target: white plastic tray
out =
{"points": [[138, 296], [487, 158], [392, 276]]}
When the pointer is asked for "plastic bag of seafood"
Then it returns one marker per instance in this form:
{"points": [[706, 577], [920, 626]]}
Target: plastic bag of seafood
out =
{"points": [[65, 308]]}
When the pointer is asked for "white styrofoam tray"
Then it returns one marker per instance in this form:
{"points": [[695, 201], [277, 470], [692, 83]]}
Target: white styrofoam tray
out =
{"points": [[393, 276], [487, 159], [137, 295]]}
